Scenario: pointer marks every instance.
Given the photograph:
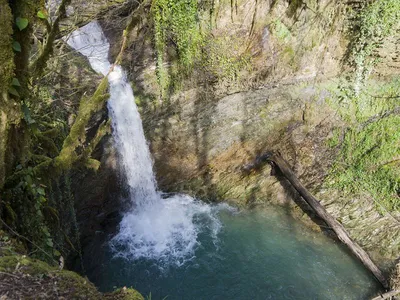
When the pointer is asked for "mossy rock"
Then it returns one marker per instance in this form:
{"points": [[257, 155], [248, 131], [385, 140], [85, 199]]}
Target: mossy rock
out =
{"points": [[10, 246], [27, 265], [124, 294], [31, 278], [26, 278]]}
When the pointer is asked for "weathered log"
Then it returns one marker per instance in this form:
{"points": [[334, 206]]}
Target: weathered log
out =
{"points": [[277, 161], [386, 295]]}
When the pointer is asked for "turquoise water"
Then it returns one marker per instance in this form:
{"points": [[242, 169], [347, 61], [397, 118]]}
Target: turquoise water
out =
{"points": [[257, 255]]}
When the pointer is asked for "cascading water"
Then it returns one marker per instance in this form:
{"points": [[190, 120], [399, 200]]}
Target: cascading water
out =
{"points": [[154, 228]]}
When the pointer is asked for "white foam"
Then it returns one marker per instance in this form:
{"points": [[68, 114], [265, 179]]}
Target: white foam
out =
{"points": [[167, 230]]}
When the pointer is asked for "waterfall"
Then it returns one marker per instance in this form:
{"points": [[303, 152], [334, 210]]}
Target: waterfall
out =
{"points": [[154, 227]]}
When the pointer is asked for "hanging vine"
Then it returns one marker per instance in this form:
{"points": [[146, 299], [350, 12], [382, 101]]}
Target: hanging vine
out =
{"points": [[176, 24]]}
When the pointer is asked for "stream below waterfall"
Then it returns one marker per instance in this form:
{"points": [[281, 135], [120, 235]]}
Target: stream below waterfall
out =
{"points": [[263, 254], [178, 247]]}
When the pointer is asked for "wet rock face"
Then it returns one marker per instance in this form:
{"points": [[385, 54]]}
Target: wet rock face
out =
{"points": [[211, 140], [98, 197], [201, 146]]}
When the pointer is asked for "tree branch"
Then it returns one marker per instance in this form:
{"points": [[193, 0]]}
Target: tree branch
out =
{"points": [[37, 66]]}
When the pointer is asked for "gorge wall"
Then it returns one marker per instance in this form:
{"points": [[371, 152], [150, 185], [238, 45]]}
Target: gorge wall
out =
{"points": [[271, 78]]}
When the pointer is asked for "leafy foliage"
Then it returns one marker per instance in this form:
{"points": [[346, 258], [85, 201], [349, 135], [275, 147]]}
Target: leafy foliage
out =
{"points": [[13, 91], [26, 201], [184, 42], [21, 23], [6, 54], [369, 158], [16, 46], [374, 23], [40, 132], [15, 82], [281, 31], [42, 14], [176, 22], [223, 58]]}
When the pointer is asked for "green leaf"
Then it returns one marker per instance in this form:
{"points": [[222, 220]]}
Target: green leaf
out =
{"points": [[15, 82], [41, 191], [16, 46], [22, 23], [27, 114], [45, 231], [28, 179], [13, 91], [42, 14], [49, 242]]}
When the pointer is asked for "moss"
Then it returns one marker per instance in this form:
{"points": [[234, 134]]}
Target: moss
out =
{"points": [[29, 266], [77, 286], [75, 139], [370, 145], [104, 128], [93, 164], [24, 9], [281, 31], [6, 52], [291, 57], [77, 134], [124, 294], [6, 74], [46, 143], [178, 21], [375, 22], [66, 283], [335, 139], [9, 245], [61, 284], [369, 162], [225, 58]]}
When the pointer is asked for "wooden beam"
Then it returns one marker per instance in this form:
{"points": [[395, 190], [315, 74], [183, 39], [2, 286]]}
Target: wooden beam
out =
{"points": [[387, 295], [276, 160]]}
